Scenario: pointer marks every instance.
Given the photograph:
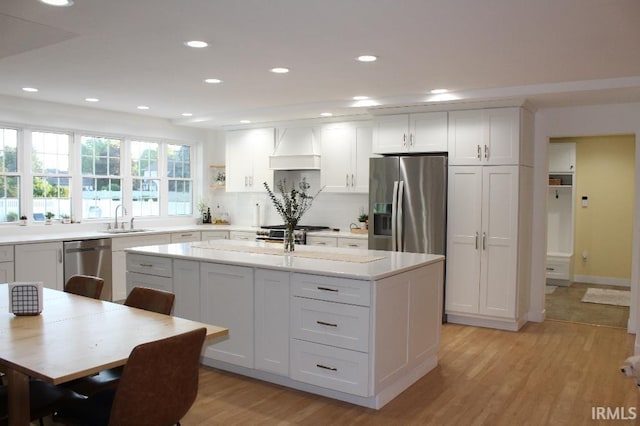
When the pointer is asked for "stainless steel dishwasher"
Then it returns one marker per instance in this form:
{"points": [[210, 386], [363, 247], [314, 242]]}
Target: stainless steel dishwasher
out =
{"points": [[90, 257]]}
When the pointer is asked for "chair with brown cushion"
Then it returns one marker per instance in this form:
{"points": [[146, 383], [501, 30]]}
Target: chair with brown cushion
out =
{"points": [[84, 285], [44, 400], [158, 386], [151, 299], [145, 298]]}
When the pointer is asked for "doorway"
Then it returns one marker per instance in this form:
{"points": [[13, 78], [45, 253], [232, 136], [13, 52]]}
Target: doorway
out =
{"points": [[601, 245]]}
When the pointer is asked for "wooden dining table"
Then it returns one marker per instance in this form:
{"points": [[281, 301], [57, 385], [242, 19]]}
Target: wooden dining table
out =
{"points": [[74, 337]]}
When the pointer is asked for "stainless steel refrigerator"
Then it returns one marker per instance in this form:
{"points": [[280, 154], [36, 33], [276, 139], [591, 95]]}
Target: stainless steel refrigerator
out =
{"points": [[408, 203]]}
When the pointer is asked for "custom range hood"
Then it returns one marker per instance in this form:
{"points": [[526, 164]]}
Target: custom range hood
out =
{"points": [[297, 149]]}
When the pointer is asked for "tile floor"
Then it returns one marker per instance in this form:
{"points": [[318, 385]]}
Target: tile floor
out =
{"points": [[564, 304]]}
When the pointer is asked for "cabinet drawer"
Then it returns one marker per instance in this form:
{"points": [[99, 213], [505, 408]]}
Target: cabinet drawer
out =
{"points": [[329, 367], [143, 280], [341, 290], [6, 253], [353, 243], [122, 243], [215, 235], [335, 324], [185, 237], [242, 235], [558, 269], [150, 265], [322, 241]]}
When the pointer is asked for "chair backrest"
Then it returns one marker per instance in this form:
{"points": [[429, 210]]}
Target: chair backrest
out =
{"points": [[159, 382], [85, 285], [151, 299]]}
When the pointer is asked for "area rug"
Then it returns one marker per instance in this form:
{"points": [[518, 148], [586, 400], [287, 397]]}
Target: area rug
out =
{"points": [[550, 289], [607, 297]]}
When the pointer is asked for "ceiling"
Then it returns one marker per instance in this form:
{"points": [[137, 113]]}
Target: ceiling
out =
{"points": [[131, 52]]}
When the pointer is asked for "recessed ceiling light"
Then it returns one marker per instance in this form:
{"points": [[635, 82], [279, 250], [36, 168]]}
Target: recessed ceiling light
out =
{"points": [[280, 70], [245, 121], [92, 99], [29, 89], [198, 44], [326, 114], [143, 107], [58, 2], [213, 80], [187, 114], [365, 103], [360, 98], [367, 58], [439, 91]]}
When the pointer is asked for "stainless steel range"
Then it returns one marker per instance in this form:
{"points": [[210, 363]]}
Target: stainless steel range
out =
{"points": [[275, 233]]}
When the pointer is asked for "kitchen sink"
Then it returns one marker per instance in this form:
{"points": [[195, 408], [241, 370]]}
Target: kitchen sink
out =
{"points": [[124, 231]]}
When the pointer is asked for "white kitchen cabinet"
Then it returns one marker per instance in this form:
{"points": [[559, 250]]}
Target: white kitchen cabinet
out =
{"points": [[272, 321], [214, 235], [40, 262], [242, 235], [186, 286], [402, 133], [360, 243], [227, 300], [346, 148], [322, 241], [498, 136], [6, 264], [119, 258], [247, 159], [562, 157], [185, 237], [488, 235]]}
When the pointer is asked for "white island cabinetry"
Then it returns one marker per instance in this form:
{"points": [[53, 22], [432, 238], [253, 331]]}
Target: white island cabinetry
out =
{"points": [[360, 331]]}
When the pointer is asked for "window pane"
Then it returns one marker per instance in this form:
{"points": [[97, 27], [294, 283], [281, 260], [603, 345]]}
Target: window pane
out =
{"points": [[100, 196], [100, 156], [146, 199], [180, 197], [144, 159], [51, 194], [9, 198], [50, 153], [179, 161], [8, 150]]}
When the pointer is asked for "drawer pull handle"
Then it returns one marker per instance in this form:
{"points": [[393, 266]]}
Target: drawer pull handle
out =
{"points": [[326, 368], [335, 290], [328, 324], [551, 269], [147, 265], [353, 245]]}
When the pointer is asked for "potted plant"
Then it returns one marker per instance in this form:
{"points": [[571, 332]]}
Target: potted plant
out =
{"points": [[48, 216], [364, 220], [65, 218], [23, 220]]}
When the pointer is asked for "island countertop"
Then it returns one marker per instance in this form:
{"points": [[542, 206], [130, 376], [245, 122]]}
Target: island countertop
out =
{"points": [[329, 261]]}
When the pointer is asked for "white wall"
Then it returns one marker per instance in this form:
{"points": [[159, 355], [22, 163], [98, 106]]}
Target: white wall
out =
{"points": [[580, 121]]}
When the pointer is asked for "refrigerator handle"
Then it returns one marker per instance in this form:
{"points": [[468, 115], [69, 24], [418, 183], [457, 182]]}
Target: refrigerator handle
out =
{"points": [[394, 215], [399, 218]]}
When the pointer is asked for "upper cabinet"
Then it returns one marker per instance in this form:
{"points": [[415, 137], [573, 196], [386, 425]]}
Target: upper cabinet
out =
{"points": [[403, 133], [247, 159], [346, 148], [562, 157], [496, 136]]}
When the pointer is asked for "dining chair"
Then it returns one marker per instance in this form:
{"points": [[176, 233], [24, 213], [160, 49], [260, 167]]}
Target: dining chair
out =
{"points": [[145, 298], [84, 285], [158, 387], [44, 400]]}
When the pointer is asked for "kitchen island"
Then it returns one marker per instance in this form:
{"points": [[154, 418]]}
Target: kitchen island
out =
{"points": [[356, 325]]}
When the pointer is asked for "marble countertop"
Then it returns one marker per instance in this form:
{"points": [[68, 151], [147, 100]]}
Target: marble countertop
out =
{"points": [[355, 263]]}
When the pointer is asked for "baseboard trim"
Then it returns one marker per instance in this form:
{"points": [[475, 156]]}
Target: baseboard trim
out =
{"points": [[587, 279]]}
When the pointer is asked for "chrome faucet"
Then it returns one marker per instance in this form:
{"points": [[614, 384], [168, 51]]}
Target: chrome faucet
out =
{"points": [[124, 212]]}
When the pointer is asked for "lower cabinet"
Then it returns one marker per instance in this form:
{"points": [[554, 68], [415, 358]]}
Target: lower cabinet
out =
{"points": [[6, 264], [40, 262], [226, 299], [214, 235], [186, 286]]}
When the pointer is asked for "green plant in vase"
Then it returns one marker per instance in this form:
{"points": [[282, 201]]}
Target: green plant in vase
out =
{"points": [[291, 204]]}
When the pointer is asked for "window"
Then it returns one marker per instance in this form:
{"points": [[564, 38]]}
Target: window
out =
{"points": [[51, 174], [101, 179], [9, 179], [179, 175], [145, 188]]}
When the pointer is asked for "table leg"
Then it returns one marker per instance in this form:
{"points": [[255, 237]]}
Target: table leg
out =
{"points": [[19, 410]]}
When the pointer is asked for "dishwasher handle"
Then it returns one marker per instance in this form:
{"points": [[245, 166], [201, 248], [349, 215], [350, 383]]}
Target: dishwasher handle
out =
{"points": [[86, 249]]}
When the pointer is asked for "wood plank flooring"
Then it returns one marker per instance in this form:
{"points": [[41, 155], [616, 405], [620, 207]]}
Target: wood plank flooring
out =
{"points": [[548, 373]]}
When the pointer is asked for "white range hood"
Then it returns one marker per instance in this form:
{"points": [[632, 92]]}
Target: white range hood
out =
{"points": [[297, 149]]}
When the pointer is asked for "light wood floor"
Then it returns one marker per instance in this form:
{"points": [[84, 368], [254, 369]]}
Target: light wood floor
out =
{"points": [[548, 373]]}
